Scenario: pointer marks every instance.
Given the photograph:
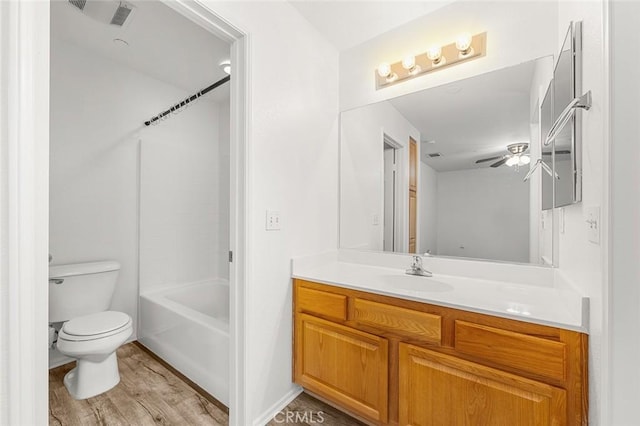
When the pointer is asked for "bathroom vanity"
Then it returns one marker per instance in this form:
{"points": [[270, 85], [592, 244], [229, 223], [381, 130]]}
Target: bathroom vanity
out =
{"points": [[394, 349]]}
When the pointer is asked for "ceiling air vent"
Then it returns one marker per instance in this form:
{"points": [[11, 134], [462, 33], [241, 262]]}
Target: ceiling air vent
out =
{"points": [[80, 4], [434, 155], [118, 13], [121, 15]]}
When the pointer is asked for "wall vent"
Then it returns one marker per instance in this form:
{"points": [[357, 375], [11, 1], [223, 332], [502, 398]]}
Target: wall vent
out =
{"points": [[121, 15], [434, 155], [80, 4]]}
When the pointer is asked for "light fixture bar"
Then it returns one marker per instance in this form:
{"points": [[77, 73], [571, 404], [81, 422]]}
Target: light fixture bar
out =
{"points": [[450, 56]]}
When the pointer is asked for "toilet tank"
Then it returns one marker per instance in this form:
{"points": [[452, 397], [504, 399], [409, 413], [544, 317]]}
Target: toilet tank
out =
{"points": [[81, 288]]}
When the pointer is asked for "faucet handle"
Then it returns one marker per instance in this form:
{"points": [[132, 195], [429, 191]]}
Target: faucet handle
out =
{"points": [[416, 262]]}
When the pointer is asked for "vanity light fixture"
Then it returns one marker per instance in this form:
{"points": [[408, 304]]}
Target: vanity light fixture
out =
{"points": [[384, 71], [463, 44], [465, 48], [409, 64], [435, 55]]}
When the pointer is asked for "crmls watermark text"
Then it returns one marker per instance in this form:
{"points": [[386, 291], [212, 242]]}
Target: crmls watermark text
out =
{"points": [[309, 417]]}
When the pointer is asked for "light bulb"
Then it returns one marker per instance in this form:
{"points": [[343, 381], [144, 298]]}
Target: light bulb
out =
{"points": [[463, 44], [384, 69], [524, 160], [435, 55], [512, 161], [226, 66], [409, 62]]}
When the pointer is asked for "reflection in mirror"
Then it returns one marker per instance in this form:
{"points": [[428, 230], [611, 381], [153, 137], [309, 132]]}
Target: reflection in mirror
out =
{"points": [[563, 94], [477, 139], [546, 118]]}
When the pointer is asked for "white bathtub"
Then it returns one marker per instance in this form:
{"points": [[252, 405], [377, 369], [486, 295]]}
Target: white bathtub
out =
{"points": [[188, 327]]}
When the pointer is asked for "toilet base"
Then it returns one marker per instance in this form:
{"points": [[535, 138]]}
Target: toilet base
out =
{"points": [[90, 378]]}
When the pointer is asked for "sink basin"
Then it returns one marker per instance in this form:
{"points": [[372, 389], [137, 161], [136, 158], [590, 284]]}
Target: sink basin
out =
{"points": [[415, 283]]}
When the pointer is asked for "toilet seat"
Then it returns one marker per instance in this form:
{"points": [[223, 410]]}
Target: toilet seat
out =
{"points": [[95, 326]]}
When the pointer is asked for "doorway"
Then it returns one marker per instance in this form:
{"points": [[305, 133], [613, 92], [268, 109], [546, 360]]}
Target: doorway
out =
{"points": [[391, 179], [25, 67]]}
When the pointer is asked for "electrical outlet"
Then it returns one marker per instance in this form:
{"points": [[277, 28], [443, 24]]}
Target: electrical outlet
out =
{"points": [[273, 220], [592, 218]]}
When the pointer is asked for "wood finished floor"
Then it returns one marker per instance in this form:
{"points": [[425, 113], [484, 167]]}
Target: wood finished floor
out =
{"points": [[150, 394]]}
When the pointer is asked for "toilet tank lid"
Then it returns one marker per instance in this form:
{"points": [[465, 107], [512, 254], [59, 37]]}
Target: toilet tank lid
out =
{"points": [[73, 269]]}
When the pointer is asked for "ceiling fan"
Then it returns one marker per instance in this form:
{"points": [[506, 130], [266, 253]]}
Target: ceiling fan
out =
{"points": [[516, 156]]}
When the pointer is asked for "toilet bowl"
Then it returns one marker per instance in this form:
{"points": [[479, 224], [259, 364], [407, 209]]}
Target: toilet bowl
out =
{"points": [[79, 298], [92, 340]]}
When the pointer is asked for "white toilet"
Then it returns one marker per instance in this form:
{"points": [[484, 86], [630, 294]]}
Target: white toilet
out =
{"points": [[79, 296]]}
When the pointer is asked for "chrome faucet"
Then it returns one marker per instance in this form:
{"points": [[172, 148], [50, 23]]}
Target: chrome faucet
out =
{"points": [[417, 269]]}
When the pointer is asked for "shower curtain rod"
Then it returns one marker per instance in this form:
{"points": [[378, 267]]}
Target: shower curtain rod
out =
{"points": [[188, 100]]}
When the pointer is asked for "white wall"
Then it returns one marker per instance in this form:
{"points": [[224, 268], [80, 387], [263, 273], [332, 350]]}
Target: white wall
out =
{"points": [[362, 174], [428, 210], [580, 261], [97, 112], [624, 387], [483, 213], [516, 32], [293, 168]]}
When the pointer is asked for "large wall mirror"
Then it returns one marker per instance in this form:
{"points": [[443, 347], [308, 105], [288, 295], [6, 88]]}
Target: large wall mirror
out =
{"points": [[441, 171], [564, 153]]}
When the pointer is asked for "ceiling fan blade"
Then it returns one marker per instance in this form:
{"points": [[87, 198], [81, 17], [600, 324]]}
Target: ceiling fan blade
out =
{"points": [[500, 163], [488, 159]]}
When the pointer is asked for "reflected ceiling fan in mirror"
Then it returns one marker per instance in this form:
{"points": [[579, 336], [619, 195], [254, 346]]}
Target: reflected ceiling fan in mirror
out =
{"points": [[516, 156]]}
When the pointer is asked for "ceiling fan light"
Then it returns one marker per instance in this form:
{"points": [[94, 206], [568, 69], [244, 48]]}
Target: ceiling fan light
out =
{"points": [[512, 161], [524, 160]]}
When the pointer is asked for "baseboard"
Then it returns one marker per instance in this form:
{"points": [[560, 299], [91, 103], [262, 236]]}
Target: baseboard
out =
{"points": [[278, 406]]}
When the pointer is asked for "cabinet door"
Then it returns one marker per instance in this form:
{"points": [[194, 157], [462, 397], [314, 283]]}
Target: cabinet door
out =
{"points": [[438, 389], [347, 366]]}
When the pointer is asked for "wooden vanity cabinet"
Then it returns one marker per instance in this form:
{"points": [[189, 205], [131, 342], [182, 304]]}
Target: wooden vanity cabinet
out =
{"points": [[391, 361]]}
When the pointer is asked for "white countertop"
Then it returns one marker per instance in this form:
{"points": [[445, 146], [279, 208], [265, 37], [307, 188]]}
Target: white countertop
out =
{"points": [[546, 300]]}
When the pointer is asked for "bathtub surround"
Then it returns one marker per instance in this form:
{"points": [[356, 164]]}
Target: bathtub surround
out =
{"points": [[184, 197]]}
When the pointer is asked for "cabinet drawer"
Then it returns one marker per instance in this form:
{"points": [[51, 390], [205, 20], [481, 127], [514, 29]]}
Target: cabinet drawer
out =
{"points": [[322, 303], [515, 350], [401, 321]]}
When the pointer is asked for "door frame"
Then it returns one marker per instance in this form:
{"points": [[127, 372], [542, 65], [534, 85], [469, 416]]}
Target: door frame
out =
{"points": [[397, 148], [24, 205]]}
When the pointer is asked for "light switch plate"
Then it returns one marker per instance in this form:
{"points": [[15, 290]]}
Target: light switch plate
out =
{"points": [[273, 220], [592, 219], [375, 219]]}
